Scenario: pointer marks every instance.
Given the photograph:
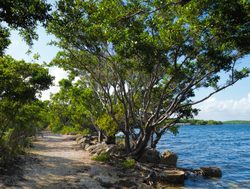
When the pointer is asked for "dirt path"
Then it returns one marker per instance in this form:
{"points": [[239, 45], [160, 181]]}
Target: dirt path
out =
{"points": [[57, 162]]}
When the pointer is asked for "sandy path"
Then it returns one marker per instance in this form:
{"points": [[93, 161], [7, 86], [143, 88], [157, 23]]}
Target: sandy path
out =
{"points": [[60, 163]]}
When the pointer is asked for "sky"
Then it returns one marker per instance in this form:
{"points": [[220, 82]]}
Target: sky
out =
{"points": [[232, 103]]}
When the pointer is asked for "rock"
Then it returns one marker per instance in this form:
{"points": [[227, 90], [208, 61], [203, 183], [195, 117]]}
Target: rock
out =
{"points": [[97, 149], [169, 158], [100, 149], [172, 177], [83, 145], [110, 148], [114, 150], [82, 140], [93, 140], [91, 148], [150, 156], [211, 172], [86, 146]]}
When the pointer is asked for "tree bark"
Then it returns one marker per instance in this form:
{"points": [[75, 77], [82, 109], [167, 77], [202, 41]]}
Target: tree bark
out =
{"points": [[127, 143], [137, 153], [100, 136]]}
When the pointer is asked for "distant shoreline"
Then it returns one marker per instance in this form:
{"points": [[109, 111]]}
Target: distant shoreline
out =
{"points": [[211, 122], [236, 122]]}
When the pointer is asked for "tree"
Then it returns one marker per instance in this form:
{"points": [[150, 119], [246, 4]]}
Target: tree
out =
{"points": [[21, 113], [146, 59], [23, 15], [75, 108], [70, 109]]}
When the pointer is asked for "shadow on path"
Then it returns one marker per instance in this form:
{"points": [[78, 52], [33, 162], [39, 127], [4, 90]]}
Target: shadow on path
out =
{"points": [[57, 162]]}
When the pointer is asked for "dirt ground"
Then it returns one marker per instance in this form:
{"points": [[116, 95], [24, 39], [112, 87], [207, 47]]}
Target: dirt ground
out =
{"points": [[56, 162]]}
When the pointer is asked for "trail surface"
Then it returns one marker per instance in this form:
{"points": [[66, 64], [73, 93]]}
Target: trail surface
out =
{"points": [[57, 162]]}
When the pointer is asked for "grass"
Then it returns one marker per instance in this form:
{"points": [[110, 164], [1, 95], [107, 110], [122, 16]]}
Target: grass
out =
{"points": [[104, 157], [128, 163]]}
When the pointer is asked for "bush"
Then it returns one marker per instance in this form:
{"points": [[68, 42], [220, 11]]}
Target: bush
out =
{"points": [[21, 113], [70, 130], [128, 163], [104, 157]]}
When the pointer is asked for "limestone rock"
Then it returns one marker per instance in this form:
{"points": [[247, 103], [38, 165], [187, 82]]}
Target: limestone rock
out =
{"points": [[93, 140], [91, 148], [99, 149], [86, 146], [172, 177], [169, 158], [84, 142], [150, 156], [211, 172]]}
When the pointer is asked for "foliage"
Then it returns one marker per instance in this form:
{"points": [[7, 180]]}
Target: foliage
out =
{"points": [[145, 60], [73, 108], [236, 122], [76, 109], [23, 15], [21, 113], [128, 163], [73, 130], [107, 124], [21, 81], [104, 157], [202, 122]]}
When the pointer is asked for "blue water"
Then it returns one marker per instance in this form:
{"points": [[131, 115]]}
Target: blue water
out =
{"points": [[225, 146]]}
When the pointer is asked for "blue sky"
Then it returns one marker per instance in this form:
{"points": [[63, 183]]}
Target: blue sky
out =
{"points": [[231, 104]]}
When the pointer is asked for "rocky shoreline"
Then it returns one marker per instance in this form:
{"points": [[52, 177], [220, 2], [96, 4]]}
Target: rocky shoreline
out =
{"points": [[152, 168], [63, 161]]}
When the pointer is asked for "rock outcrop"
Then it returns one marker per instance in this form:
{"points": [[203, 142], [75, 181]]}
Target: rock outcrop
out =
{"points": [[156, 168], [86, 141], [169, 158], [150, 156], [171, 176], [211, 172]]}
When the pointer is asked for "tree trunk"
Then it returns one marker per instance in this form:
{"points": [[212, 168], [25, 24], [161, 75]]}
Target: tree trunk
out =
{"points": [[100, 136], [137, 153], [152, 140], [157, 139], [127, 143]]}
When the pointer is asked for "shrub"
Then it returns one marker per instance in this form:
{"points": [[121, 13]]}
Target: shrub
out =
{"points": [[128, 163], [104, 157], [69, 130]]}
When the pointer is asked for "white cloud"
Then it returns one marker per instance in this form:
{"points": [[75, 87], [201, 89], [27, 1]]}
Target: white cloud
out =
{"points": [[225, 109], [46, 94], [59, 74]]}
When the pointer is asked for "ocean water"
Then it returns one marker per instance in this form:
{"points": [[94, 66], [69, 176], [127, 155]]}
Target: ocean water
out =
{"points": [[226, 146]]}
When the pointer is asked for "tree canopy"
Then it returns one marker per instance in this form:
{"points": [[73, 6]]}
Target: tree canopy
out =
{"points": [[71, 109], [23, 15], [21, 113], [146, 59]]}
